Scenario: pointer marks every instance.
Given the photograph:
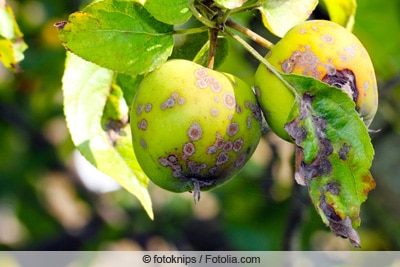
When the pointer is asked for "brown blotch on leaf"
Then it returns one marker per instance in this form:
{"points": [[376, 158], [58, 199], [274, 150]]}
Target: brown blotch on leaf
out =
{"points": [[340, 227], [114, 129], [321, 164], [60, 25], [329, 210], [368, 180], [297, 132], [344, 151], [333, 188]]}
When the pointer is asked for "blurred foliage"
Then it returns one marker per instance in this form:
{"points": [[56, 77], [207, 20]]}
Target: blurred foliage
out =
{"points": [[44, 205]]}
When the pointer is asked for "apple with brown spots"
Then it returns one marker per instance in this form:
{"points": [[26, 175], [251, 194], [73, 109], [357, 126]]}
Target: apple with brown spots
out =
{"points": [[193, 128], [323, 50]]}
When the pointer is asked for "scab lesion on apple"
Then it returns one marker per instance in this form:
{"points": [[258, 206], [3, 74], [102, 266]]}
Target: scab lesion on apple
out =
{"points": [[201, 142], [323, 50]]}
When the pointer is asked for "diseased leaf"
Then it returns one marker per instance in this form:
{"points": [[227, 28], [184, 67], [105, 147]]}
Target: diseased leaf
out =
{"points": [[334, 153], [280, 15], [170, 12], [12, 45], [119, 35], [96, 116], [342, 12]]}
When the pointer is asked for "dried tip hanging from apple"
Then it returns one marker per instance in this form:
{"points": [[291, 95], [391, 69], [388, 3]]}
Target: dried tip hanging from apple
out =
{"points": [[323, 50]]}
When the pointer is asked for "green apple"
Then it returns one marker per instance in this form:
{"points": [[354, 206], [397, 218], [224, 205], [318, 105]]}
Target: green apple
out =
{"points": [[323, 50], [193, 128]]}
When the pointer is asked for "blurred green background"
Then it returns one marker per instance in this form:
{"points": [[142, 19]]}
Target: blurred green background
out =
{"points": [[45, 204]]}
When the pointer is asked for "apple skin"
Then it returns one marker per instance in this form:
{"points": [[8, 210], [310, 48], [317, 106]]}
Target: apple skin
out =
{"points": [[193, 128], [323, 50]]}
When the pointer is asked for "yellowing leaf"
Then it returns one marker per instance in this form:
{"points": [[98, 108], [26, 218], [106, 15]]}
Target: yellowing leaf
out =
{"points": [[342, 12], [281, 15], [12, 45]]}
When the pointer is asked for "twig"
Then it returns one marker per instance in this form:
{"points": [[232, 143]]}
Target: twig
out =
{"points": [[249, 33]]}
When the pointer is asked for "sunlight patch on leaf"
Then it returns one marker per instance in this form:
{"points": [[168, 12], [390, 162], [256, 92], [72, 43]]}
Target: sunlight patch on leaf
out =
{"points": [[281, 15], [96, 115]]}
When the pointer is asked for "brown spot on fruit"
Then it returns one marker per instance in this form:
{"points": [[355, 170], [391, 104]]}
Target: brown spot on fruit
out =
{"points": [[148, 107], [229, 100], [227, 146], [222, 158], [142, 125], [188, 149], [212, 150], [237, 145], [169, 103], [233, 129], [172, 158], [181, 101], [201, 83], [328, 38], [214, 112], [143, 143], [139, 109], [195, 132], [248, 122], [163, 161], [200, 73], [241, 160]]}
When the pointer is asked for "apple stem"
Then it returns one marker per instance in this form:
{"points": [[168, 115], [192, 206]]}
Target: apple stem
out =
{"points": [[213, 36], [196, 192], [249, 33], [260, 58]]}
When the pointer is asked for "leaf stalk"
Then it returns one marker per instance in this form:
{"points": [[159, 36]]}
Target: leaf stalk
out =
{"points": [[260, 58]]}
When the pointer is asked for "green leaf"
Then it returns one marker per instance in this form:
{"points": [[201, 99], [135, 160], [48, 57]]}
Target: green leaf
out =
{"points": [[342, 12], [230, 4], [119, 35], [187, 46], [129, 85], [12, 45], [280, 15], [334, 153], [96, 115], [170, 12]]}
